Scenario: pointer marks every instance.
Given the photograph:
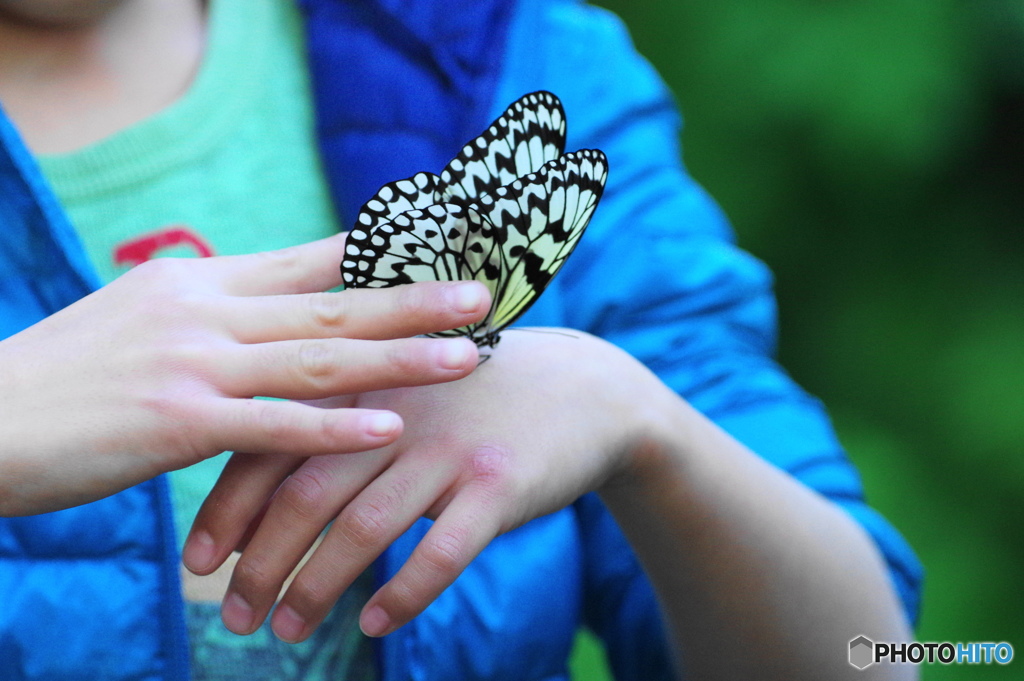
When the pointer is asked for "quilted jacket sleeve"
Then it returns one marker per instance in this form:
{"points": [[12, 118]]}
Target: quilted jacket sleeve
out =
{"points": [[659, 275]]}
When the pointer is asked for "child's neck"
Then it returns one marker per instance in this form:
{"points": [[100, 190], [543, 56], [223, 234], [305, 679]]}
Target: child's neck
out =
{"points": [[66, 87]]}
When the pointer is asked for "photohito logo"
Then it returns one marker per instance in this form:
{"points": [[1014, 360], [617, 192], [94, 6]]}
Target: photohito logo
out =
{"points": [[864, 652]]}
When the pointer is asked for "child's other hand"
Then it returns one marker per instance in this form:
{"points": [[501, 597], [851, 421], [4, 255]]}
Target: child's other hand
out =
{"points": [[548, 418], [158, 370]]}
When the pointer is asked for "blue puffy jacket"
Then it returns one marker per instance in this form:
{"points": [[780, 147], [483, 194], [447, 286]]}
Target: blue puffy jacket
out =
{"points": [[92, 592]]}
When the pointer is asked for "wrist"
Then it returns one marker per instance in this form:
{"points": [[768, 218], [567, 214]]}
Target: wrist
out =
{"points": [[657, 452], [14, 435]]}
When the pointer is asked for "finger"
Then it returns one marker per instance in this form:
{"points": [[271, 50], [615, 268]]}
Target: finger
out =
{"points": [[294, 429], [245, 485], [254, 525], [367, 526], [309, 267], [301, 508], [312, 369], [455, 539], [374, 314]]}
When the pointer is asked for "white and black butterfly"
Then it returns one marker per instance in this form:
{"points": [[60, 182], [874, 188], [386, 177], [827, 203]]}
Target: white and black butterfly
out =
{"points": [[507, 211]]}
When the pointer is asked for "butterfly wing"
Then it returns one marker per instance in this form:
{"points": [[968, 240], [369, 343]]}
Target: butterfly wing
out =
{"points": [[443, 242], [419, 191], [513, 241], [538, 221], [529, 134], [507, 211]]}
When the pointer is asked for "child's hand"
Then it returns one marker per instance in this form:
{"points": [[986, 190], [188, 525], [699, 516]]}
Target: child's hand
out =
{"points": [[157, 370], [545, 420], [732, 545]]}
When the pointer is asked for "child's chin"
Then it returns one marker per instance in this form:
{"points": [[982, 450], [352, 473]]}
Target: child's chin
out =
{"points": [[56, 12]]}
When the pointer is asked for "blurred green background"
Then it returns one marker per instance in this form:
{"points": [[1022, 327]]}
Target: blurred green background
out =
{"points": [[872, 153]]}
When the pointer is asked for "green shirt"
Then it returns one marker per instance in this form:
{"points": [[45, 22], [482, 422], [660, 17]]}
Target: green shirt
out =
{"points": [[229, 168]]}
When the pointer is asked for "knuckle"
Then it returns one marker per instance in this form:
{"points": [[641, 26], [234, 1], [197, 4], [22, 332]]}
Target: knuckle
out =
{"points": [[314, 361], [365, 526], [310, 593], [333, 433], [328, 312], [304, 494], [173, 293], [231, 509], [490, 465], [285, 260], [167, 407], [489, 469], [288, 264], [165, 277], [406, 357], [189, 359], [159, 269], [404, 600], [253, 576], [445, 553], [276, 425], [182, 423], [412, 301], [367, 523]]}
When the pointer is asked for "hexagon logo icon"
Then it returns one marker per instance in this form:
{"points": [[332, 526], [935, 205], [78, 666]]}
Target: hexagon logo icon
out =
{"points": [[862, 652]]}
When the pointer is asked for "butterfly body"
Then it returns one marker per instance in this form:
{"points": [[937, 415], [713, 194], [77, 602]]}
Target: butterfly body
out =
{"points": [[507, 211]]}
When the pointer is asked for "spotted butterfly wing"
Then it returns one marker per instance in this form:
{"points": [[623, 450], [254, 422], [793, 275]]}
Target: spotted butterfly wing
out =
{"points": [[521, 141], [443, 242], [514, 240], [419, 191], [539, 220], [529, 134]]}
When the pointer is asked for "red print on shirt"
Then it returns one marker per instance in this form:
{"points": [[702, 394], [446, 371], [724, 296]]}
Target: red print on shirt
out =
{"points": [[146, 247]]}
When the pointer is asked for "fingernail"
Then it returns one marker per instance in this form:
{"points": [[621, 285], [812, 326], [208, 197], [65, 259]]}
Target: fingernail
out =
{"points": [[199, 551], [382, 423], [466, 297], [237, 615], [287, 624], [454, 354], [375, 622]]}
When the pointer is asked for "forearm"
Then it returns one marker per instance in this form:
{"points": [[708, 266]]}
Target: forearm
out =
{"points": [[757, 575]]}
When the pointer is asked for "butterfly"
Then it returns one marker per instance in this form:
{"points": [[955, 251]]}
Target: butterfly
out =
{"points": [[508, 211]]}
